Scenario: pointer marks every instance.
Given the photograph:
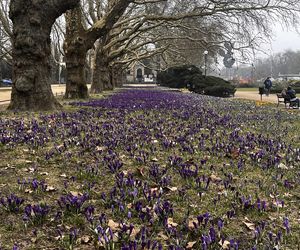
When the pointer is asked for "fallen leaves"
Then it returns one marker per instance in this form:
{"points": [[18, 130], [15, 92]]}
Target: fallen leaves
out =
{"points": [[171, 222], [224, 244], [250, 225], [190, 244], [85, 239], [50, 189], [113, 225]]}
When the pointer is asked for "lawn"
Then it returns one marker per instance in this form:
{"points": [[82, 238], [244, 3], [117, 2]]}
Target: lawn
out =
{"points": [[150, 169]]}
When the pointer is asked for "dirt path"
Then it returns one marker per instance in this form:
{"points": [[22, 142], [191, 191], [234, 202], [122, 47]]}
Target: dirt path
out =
{"points": [[252, 95]]}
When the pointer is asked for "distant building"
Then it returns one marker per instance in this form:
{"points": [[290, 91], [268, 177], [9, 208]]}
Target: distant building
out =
{"points": [[286, 77], [141, 72]]}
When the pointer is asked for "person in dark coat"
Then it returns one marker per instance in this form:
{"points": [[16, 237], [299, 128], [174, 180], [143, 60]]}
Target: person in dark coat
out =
{"points": [[268, 85], [291, 93]]}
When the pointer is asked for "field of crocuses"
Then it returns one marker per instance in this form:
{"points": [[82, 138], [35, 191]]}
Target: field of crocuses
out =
{"points": [[150, 169]]}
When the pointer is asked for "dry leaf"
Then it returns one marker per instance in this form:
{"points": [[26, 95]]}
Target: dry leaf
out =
{"points": [[75, 193], [190, 244], [163, 236], [44, 173], [215, 178], [282, 166], [134, 233], [154, 159], [57, 238], [225, 245], [249, 225], [85, 239], [171, 222], [277, 204], [28, 191], [191, 224], [125, 172], [173, 189], [152, 190], [50, 189], [141, 171], [235, 153], [30, 170], [9, 167], [33, 240], [63, 175], [98, 148], [113, 225]]}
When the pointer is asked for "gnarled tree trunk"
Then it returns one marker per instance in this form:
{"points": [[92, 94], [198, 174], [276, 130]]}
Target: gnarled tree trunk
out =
{"points": [[75, 48], [118, 76], [101, 73], [79, 40], [32, 22]]}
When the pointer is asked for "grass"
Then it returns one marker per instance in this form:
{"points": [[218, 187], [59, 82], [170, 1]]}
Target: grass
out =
{"points": [[225, 155]]}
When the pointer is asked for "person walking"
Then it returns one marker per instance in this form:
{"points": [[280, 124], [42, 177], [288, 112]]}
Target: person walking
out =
{"points": [[268, 85]]}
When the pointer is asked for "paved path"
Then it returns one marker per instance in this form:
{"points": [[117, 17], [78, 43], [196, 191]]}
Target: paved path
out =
{"points": [[60, 89], [6, 92], [252, 95]]}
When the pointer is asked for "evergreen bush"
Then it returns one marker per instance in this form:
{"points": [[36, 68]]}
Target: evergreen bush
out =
{"points": [[191, 77]]}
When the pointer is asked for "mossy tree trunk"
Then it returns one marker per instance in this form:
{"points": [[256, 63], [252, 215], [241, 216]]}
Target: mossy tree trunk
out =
{"points": [[32, 22]]}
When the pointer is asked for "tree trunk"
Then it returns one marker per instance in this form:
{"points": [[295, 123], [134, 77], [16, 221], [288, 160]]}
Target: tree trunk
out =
{"points": [[79, 40], [102, 74], [75, 56], [76, 84], [118, 76], [32, 22]]}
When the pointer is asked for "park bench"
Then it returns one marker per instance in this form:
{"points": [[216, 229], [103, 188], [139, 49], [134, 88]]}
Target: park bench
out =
{"points": [[282, 99]]}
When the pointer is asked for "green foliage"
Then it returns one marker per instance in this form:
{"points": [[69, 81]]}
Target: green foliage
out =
{"points": [[214, 86], [280, 86], [190, 76], [178, 77]]}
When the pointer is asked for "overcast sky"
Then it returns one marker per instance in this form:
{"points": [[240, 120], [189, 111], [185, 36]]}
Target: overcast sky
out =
{"points": [[283, 40]]}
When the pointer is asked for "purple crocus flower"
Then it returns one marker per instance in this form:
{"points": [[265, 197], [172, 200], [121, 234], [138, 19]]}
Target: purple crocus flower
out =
{"points": [[286, 224]]}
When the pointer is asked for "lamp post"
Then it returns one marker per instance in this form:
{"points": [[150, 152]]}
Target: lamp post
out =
{"points": [[205, 62]]}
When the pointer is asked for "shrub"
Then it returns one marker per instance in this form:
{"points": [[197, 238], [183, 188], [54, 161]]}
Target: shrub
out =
{"points": [[178, 77], [190, 76], [220, 90]]}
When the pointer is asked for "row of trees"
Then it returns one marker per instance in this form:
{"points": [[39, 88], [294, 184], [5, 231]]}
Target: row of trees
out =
{"points": [[276, 65], [111, 35]]}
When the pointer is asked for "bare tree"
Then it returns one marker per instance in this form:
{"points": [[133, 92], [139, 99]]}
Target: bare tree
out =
{"points": [[80, 39], [5, 32], [31, 88]]}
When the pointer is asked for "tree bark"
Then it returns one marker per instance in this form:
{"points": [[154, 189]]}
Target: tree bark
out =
{"points": [[118, 76], [75, 48], [32, 22], [79, 41], [102, 74]]}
